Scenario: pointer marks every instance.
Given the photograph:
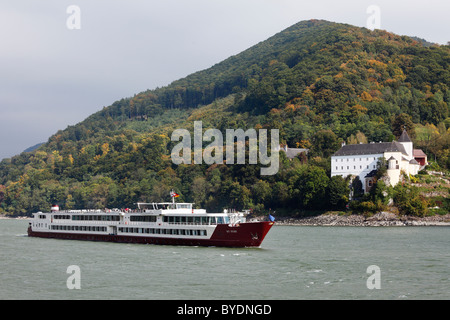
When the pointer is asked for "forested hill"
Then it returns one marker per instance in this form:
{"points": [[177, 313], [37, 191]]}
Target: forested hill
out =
{"points": [[319, 82]]}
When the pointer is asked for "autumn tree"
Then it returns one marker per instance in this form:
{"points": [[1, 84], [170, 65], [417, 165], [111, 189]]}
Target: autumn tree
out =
{"points": [[401, 122]]}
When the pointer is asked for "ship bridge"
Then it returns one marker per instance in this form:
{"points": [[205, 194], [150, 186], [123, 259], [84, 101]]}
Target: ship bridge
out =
{"points": [[169, 207]]}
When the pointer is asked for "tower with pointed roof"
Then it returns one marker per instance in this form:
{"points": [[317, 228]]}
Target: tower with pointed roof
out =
{"points": [[405, 140]]}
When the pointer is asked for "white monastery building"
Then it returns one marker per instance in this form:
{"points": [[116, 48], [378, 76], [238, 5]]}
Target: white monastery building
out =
{"points": [[361, 160]]}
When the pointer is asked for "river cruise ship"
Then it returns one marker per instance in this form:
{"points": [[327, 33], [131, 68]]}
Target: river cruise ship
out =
{"points": [[169, 223]]}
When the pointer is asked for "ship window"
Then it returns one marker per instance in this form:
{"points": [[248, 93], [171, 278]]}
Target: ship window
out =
{"points": [[140, 218], [219, 220], [184, 206]]}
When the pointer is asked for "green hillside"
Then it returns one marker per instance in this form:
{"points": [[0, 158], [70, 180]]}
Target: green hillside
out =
{"points": [[318, 82]]}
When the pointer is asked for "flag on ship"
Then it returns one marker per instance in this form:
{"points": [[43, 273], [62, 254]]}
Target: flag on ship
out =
{"points": [[174, 195]]}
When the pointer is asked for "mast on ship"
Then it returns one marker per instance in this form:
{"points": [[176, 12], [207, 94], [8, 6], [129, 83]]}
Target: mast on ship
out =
{"points": [[173, 195]]}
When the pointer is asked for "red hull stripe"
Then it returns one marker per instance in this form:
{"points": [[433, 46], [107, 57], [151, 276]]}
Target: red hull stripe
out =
{"points": [[242, 235]]}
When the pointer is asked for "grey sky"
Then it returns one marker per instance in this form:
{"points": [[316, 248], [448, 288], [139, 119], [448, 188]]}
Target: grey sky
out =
{"points": [[52, 77]]}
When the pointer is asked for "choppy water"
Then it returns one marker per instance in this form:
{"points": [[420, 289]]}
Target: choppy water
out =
{"points": [[293, 263]]}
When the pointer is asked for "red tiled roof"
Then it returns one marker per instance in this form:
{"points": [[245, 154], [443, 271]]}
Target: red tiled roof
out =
{"points": [[417, 153]]}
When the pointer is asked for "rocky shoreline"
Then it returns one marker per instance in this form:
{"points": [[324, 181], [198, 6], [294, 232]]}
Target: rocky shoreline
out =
{"points": [[381, 219]]}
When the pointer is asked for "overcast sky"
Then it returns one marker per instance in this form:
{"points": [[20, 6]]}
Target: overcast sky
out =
{"points": [[52, 76]]}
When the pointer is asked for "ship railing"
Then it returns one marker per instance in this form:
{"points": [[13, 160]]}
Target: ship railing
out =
{"points": [[105, 211]]}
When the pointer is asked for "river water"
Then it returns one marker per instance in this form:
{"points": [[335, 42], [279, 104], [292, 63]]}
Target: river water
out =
{"points": [[294, 262]]}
